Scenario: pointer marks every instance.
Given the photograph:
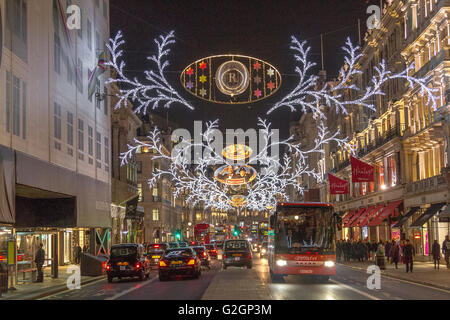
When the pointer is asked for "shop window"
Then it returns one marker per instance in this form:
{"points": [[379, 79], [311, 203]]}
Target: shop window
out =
{"points": [[155, 214], [140, 192]]}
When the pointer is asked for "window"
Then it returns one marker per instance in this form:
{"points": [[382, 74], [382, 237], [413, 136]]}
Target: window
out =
{"points": [[57, 55], [155, 214], [98, 152], [80, 31], [105, 101], [139, 166], [80, 139], [80, 75], [69, 70], [90, 141], [140, 194], [8, 100], [106, 152], [97, 40], [97, 3], [105, 9], [198, 216], [89, 34], [70, 128], [24, 110], [16, 106], [155, 192], [57, 121], [89, 74]]}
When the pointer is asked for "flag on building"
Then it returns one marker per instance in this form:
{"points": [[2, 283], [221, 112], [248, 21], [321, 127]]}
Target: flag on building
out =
{"points": [[361, 171], [337, 185], [98, 70]]}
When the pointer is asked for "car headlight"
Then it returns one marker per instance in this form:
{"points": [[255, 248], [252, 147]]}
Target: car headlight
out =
{"points": [[329, 264], [281, 263], [263, 251]]}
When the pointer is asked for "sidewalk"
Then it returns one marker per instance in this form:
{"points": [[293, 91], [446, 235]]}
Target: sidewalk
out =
{"points": [[37, 290], [237, 284], [423, 272]]}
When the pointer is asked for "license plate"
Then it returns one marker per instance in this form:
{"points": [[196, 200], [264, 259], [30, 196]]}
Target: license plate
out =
{"points": [[237, 258], [237, 255], [305, 271], [122, 268], [156, 257], [176, 262]]}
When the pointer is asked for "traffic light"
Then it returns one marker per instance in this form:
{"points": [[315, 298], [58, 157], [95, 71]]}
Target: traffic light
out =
{"points": [[236, 231], [178, 234]]}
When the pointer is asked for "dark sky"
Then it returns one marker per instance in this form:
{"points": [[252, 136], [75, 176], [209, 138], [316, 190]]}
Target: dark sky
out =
{"points": [[260, 29]]}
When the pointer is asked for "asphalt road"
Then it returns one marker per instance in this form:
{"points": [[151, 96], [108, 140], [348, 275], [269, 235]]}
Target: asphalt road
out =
{"points": [[348, 284]]}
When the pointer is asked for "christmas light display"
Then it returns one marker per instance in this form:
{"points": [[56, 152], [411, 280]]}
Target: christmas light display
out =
{"points": [[307, 96], [158, 92]]}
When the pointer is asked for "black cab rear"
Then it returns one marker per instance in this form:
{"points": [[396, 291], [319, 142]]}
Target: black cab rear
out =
{"points": [[179, 262], [237, 253], [127, 260], [155, 252]]}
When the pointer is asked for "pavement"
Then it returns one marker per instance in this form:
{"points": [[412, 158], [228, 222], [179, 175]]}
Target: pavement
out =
{"points": [[423, 272], [37, 290]]}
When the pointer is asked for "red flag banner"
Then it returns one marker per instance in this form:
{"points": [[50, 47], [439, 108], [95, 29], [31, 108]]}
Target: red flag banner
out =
{"points": [[337, 185], [361, 171]]}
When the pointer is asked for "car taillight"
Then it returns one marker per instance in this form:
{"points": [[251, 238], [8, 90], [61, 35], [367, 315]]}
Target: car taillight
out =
{"points": [[162, 263], [191, 262], [20, 258], [156, 246], [204, 253], [249, 256], [108, 267], [138, 266]]}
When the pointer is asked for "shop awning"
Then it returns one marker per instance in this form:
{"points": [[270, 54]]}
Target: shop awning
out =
{"points": [[362, 217], [131, 209], [385, 213], [371, 214], [406, 217], [359, 217], [431, 211], [444, 216], [355, 216], [348, 216]]}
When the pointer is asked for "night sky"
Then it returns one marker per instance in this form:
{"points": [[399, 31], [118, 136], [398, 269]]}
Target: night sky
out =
{"points": [[260, 29]]}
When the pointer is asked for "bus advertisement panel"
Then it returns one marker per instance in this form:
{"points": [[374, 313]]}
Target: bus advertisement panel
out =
{"points": [[302, 240]]}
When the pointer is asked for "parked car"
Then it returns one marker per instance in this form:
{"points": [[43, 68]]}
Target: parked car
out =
{"points": [[237, 253], [179, 262], [128, 260]]}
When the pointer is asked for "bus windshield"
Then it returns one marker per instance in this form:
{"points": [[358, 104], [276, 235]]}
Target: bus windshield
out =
{"points": [[302, 229]]}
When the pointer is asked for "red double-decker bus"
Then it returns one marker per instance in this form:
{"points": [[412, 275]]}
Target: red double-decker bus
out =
{"points": [[203, 232], [302, 241]]}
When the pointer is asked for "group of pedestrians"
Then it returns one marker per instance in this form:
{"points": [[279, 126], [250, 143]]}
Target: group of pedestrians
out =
{"points": [[395, 251]]}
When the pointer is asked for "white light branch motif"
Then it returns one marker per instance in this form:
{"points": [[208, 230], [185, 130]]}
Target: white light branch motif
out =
{"points": [[308, 96], [197, 184], [154, 94]]}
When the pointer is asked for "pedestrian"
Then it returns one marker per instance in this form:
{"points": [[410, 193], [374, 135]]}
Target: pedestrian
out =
{"points": [[360, 248], [77, 253], [436, 252], [373, 250], [40, 259], [387, 248], [408, 253], [446, 250], [402, 255], [85, 248], [394, 253]]}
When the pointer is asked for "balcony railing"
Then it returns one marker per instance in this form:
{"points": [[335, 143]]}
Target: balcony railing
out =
{"points": [[396, 131], [156, 198], [426, 185]]}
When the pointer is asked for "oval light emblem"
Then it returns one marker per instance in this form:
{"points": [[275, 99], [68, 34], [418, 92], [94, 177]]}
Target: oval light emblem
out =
{"points": [[231, 79]]}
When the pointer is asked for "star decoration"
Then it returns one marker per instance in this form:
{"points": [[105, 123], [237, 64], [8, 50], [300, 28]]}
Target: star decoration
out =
{"points": [[202, 92], [256, 65], [202, 65], [190, 71], [257, 79], [202, 78], [270, 85], [189, 84], [270, 72], [257, 93]]}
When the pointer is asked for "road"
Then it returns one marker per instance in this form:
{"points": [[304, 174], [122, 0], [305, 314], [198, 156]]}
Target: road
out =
{"points": [[348, 284]]}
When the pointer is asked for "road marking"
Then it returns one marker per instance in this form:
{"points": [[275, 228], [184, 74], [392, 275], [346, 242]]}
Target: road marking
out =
{"points": [[139, 286], [68, 290], [355, 290]]}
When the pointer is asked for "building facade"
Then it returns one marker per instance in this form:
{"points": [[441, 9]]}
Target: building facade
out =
{"points": [[404, 139], [54, 136]]}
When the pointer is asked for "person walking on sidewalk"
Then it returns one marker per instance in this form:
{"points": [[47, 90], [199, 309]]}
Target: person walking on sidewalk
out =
{"points": [[40, 259], [408, 253], [395, 253], [446, 250], [387, 248], [436, 252]]}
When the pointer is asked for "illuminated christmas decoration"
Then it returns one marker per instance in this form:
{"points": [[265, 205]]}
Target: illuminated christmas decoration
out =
{"points": [[237, 152], [154, 94], [307, 96], [263, 189]]}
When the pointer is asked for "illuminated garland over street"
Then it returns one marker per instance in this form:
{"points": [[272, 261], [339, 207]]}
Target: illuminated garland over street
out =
{"points": [[198, 185], [195, 182]]}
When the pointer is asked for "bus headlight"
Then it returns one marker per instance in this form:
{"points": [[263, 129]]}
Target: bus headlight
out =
{"points": [[281, 263], [329, 264]]}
